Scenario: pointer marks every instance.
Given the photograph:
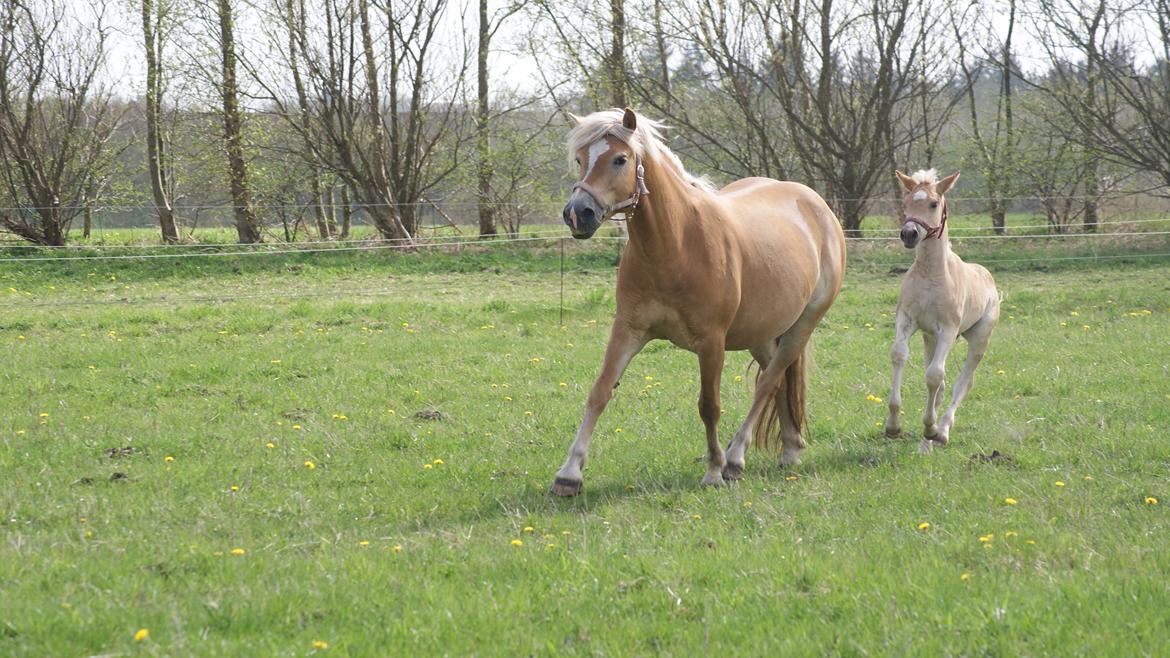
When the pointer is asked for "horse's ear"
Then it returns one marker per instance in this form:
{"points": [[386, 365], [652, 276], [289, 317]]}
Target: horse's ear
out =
{"points": [[946, 183], [574, 118], [906, 181], [630, 120]]}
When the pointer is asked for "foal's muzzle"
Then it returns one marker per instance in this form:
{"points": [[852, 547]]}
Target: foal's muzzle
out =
{"points": [[582, 215], [911, 235]]}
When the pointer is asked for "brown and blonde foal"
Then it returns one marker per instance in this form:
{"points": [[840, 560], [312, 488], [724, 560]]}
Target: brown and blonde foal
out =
{"points": [[943, 297]]}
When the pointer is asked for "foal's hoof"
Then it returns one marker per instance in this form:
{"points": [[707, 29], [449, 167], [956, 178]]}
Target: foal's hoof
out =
{"points": [[790, 457], [732, 472], [565, 487]]}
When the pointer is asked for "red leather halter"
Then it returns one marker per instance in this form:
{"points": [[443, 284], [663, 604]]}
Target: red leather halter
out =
{"points": [[931, 231]]}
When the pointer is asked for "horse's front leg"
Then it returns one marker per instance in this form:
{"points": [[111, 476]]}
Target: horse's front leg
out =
{"points": [[936, 378], [624, 343], [904, 328], [711, 354]]}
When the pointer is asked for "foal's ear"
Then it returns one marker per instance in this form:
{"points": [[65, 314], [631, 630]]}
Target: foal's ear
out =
{"points": [[630, 120], [945, 184], [907, 182]]}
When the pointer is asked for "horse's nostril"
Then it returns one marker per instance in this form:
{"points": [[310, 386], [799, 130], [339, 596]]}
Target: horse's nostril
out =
{"points": [[587, 214], [565, 214]]}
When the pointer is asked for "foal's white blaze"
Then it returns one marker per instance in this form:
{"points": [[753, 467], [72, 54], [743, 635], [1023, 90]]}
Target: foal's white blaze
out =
{"points": [[920, 195]]}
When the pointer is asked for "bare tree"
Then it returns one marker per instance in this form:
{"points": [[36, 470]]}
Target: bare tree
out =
{"points": [[247, 226], [995, 139], [55, 117], [154, 31]]}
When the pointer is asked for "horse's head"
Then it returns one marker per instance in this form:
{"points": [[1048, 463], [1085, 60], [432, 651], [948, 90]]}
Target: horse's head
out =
{"points": [[926, 207], [609, 178]]}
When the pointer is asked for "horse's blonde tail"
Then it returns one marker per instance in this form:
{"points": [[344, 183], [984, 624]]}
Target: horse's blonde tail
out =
{"points": [[790, 394]]}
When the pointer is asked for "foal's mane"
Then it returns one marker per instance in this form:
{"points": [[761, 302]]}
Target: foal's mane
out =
{"points": [[645, 140], [926, 176]]}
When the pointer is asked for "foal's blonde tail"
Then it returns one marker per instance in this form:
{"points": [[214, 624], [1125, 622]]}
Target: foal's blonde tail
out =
{"points": [[790, 394]]}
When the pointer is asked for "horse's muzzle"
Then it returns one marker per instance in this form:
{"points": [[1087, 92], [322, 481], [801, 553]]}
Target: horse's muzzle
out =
{"points": [[911, 235], [582, 216]]}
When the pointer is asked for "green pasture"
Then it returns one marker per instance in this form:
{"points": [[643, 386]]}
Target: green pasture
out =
{"points": [[349, 453]]}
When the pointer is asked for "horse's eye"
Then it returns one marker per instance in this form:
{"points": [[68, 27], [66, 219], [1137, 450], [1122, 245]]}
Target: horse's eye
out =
{"points": [[934, 204], [620, 160], [578, 161]]}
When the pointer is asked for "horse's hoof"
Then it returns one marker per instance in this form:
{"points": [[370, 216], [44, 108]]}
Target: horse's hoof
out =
{"points": [[893, 433], [732, 472], [565, 487], [789, 457], [710, 480], [926, 447]]}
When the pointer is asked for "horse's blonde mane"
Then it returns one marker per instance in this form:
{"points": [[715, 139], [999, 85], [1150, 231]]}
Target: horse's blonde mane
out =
{"points": [[645, 140], [925, 176]]}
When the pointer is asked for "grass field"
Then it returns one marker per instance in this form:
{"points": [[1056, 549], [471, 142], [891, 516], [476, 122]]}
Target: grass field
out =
{"points": [[349, 454]]}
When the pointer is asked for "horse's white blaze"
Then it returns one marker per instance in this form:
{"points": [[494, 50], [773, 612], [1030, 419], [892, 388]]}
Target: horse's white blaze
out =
{"points": [[920, 195], [596, 150]]}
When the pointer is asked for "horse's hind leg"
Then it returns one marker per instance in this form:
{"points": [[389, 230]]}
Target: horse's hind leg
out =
{"points": [[734, 457], [623, 345], [978, 336]]}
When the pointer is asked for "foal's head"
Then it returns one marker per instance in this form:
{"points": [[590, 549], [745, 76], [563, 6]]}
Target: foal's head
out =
{"points": [[607, 171], [926, 209]]}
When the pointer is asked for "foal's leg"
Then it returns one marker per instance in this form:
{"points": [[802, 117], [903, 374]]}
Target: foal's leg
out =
{"points": [[904, 328], [936, 374], [623, 345], [978, 336], [711, 355]]}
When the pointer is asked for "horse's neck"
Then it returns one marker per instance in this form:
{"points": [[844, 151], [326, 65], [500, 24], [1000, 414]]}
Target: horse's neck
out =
{"points": [[932, 254], [656, 226]]}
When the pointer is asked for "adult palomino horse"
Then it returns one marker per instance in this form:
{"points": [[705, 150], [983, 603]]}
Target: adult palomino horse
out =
{"points": [[752, 266], [945, 298]]}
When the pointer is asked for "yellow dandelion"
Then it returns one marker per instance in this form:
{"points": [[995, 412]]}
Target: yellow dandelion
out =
{"points": [[549, 547], [296, 427], [517, 543], [1058, 483], [428, 466], [20, 338], [320, 644], [397, 548], [790, 478], [44, 414], [1074, 313], [238, 551], [1010, 501], [1088, 477], [20, 432], [566, 533], [270, 445], [1150, 500], [507, 398], [564, 384], [1011, 533], [1000, 372], [141, 635], [309, 464], [529, 529], [527, 413], [747, 504], [965, 576], [617, 430], [1030, 541], [234, 487], [168, 459], [697, 517], [438, 462], [364, 542], [924, 526], [986, 539]]}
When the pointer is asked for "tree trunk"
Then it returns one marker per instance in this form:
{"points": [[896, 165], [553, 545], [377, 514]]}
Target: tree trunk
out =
{"points": [[386, 216], [246, 225], [293, 25], [483, 165], [155, 153], [1092, 189], [617, 54], [346, 213]]}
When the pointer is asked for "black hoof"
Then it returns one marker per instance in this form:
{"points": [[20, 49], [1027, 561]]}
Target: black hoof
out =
{"points": [[732, 472], [893, 434], [565, 487]]}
